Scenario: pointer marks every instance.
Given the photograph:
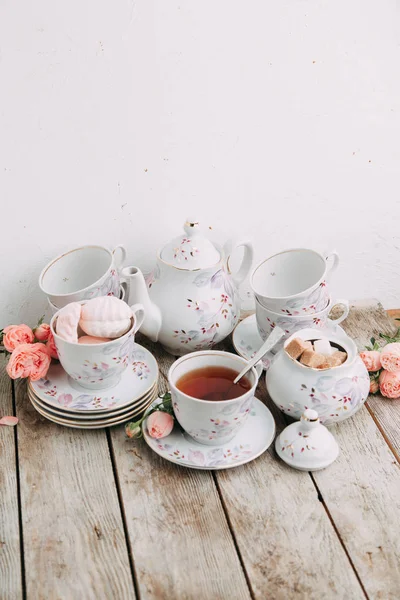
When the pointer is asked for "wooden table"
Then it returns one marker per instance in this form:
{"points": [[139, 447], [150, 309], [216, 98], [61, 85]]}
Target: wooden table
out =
{"points": [[92, 514]]}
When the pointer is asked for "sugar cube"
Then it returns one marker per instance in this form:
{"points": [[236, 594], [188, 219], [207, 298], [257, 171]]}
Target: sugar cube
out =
{"points": [[312, 359], [323, 347], [296, 348]]}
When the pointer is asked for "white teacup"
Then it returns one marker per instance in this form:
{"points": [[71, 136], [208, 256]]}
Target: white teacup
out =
{"points": [[81, 274], [122, 295], [267, 320], [294, 281], [98, 366], [208, 422]]}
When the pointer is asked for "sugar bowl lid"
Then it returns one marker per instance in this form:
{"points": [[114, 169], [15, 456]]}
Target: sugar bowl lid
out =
{"points": [[307, 445], [192, 250]]}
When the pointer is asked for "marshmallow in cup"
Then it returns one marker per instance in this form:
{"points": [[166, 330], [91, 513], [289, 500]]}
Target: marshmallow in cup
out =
{"points": [[293, 281], [267, 320], [212, 423], [98, 366], [83, 273]]}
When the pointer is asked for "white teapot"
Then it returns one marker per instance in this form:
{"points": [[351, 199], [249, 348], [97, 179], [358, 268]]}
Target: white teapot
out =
{"points": [[191, 299]]}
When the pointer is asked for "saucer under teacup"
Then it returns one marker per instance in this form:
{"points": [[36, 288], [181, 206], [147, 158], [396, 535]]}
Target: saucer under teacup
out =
{"points": [[93, 424], [60, 391], [254, 438], [247, 341], [140, 403]]}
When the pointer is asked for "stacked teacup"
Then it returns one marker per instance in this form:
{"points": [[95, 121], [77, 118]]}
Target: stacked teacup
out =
{"points": [[292, 291], [83, 273]]}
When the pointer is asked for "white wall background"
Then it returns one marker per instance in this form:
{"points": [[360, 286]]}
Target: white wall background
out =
{"points": [[278, 120]]}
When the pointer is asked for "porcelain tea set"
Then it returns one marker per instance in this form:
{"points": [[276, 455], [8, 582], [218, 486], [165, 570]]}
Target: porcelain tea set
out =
{"points": [[189, 303]]}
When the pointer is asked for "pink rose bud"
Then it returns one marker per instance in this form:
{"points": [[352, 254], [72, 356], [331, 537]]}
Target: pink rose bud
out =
{"points": [[133, 430], [29, 360], [390, 357], [42, 332], [160, 424], [389, 384], [14, 335], [371, 359], [51, 347], [373, 386]]}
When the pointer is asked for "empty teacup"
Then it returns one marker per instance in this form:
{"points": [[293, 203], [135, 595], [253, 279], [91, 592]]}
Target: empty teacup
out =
{"points": [[209, 407], [122, 296], [294, 281], [268, 320], [98, 366], [81, 274]]}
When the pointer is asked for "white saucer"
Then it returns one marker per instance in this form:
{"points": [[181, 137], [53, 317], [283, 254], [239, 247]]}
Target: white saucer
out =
{"points": [[60, 391], [247, 341], [85, 415], [256, 435], [92, 424]]}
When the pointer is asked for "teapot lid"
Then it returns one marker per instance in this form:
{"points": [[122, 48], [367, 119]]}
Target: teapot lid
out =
{"points": [[192, 250], [307, 445]]}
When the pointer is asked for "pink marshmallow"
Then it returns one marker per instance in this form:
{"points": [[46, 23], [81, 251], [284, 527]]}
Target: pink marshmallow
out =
{"points": [[90, 339], [67, 322]]}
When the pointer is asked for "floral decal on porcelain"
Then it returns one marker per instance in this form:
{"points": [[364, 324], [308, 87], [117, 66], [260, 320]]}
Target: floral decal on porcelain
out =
{"points": [[184, 251], [209, 319], [248, 353], [208, 458], [221, 426], [109, 287], [314, 302], [331, 397], [80, 401], [293, 447], [152, 277]]}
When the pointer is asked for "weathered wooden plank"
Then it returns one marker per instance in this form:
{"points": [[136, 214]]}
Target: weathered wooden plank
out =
{"points": [[180, 540], [362, 493], [284, 535], [361, 490], [10, 560], [74, 543], [364, 321]]}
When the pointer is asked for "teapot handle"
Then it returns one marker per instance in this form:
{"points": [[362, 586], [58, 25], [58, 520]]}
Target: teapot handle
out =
{"points": [[246, 263]]}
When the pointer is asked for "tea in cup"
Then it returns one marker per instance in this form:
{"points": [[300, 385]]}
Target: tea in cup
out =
{"points": [[207, 404], [82, 274], [294, 281]]}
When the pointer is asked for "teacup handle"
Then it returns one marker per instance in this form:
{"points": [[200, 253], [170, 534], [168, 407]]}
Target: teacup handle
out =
{"points": [[118, 263], [246, 263], [138, 313], [345, 314], [332, 263]]}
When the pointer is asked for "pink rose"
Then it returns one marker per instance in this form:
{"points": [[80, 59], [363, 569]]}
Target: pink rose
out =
{"points": [[14, 335], [29, 360], [42, 332], [373, 386], [371, 359], [160, 424], [390, 357], [389, 383], [51, 347]]}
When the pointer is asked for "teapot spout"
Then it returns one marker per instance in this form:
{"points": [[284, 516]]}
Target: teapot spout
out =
{"points": [[137, 293]]}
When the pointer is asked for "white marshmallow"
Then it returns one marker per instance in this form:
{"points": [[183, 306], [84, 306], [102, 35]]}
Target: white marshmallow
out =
{"points": [[106, 317]]}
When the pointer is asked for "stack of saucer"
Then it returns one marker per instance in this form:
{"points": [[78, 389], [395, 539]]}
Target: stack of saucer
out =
{"points": [[63, 401]]}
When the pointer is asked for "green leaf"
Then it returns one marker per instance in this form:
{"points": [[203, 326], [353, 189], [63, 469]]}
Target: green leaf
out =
{"points": [[372, 340]]}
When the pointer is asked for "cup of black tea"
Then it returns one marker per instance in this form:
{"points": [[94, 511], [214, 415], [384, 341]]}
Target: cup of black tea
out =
{"points": [[207, 404]]}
